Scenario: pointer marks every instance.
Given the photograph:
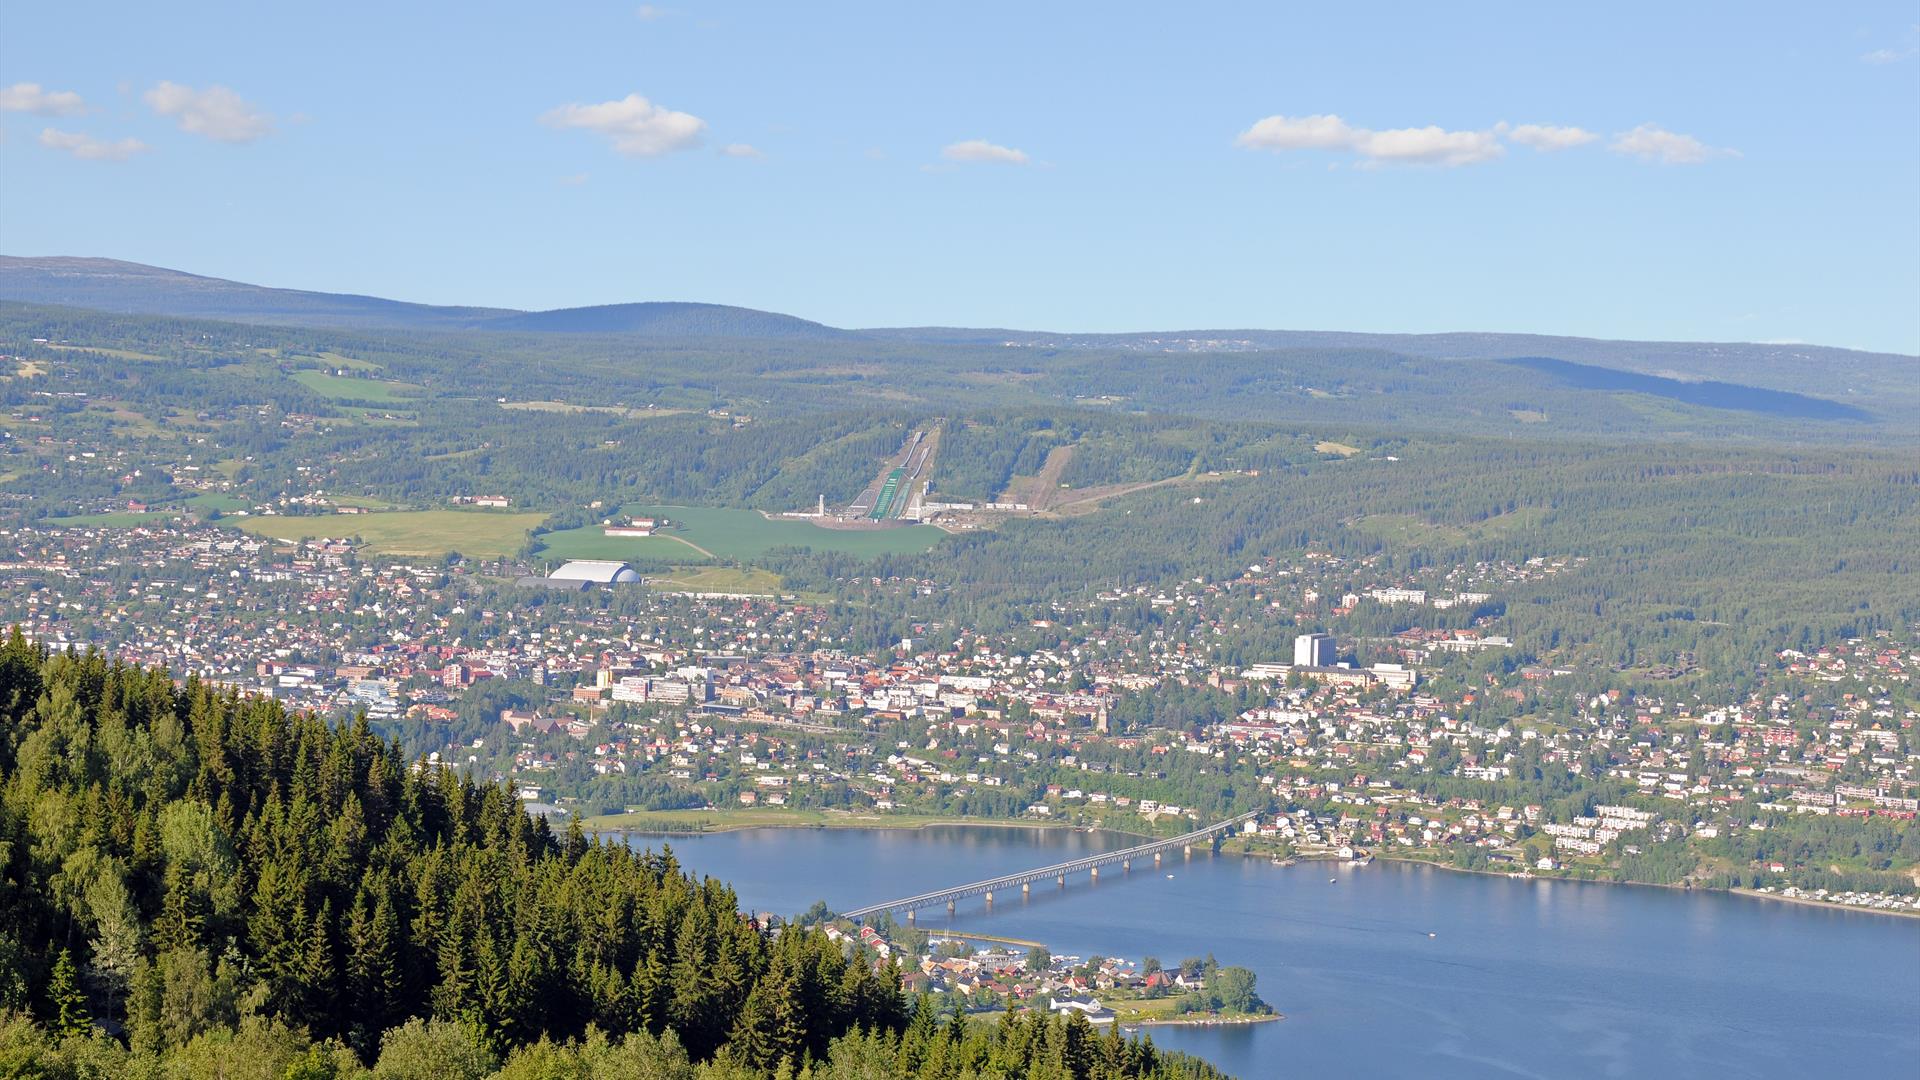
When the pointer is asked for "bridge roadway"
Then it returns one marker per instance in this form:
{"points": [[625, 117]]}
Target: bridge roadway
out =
{"points": [[1058, 871]]}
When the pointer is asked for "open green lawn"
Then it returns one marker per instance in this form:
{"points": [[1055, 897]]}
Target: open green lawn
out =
{"points": [[724, 579], [1411, 529], [125, 520], [342, 388], [118, 354], [218, 500], [475, 533], [731, 534], [568, 407], [335, 360]]}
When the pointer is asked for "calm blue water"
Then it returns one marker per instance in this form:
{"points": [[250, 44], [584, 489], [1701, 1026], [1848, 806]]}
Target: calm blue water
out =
{"points": [[1524, 979]]}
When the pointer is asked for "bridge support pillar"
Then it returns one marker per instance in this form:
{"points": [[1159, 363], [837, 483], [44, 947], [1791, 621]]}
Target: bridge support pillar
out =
{"points": [[949, 907], [909, 916], [1026, 887], [1126, 866], [1061, 881], [1156, 858], [1189, 851], [1096, 874], [989, 897]]}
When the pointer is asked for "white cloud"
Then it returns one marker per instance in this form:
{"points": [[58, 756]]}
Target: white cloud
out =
{"points": [[1547, 137], [741, 150], [636, 126], [89, 148], [1651, 142], [1413, 146], [1429, 146], [648, 13], [980, 150], [216, 112], [1299, 133], [32, 98]]}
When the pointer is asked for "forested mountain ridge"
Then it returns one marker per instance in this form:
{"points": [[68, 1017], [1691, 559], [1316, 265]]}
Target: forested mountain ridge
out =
{"points": [[1838, 371], [134, 288], [666, 319], [209, 880], [117, 286]]}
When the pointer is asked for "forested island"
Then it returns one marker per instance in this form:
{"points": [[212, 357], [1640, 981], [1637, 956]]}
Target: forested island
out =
{"points": [[200, 884]]}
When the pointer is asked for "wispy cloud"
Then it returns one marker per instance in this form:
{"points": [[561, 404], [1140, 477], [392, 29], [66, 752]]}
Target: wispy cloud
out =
{"points": [[741, 150], [1547, 137], [635, 126], [982, 151], [648, 13], [1651, 142], [1430, 145], [1433, 145], [33, 98], [216, 112], [1894, 54], [88, 148]]}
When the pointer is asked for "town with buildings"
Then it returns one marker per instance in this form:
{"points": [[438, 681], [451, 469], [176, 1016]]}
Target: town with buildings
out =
{"points": [[644, 708]]}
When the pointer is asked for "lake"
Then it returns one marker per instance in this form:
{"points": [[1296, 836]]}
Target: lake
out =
{"points": [[1519, 978]]}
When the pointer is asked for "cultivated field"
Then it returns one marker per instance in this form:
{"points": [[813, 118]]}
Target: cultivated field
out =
{"points": [[341, 388], [718, 579], [476, 533], [568, 407], [702, 532]]}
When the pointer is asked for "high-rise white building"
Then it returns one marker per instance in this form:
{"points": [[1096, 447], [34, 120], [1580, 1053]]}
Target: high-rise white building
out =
{"points": [[1313, 650]]}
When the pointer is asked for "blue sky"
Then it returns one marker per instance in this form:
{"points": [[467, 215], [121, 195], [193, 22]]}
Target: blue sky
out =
{"points": [[1684, 171]]}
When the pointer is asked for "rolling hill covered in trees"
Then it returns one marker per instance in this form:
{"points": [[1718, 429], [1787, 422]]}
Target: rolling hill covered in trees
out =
{"points": [[198, 884]]}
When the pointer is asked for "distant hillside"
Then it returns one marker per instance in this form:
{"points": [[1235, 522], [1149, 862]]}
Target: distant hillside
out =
{"points": [[1818, 369], [667, 320], [112, 285], [125, 287]]}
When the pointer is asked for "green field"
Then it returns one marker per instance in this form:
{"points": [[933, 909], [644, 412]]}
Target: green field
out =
{"points": [[475, 533], [731, 534], [124, 520], [1412, 529], [567, 407], [725, 579], [120, 354], [342, 388], [335, 360], [218, 500]]}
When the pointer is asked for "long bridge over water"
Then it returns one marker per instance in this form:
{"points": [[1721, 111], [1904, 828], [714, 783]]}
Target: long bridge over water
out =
{"points": [[1024, 880]]}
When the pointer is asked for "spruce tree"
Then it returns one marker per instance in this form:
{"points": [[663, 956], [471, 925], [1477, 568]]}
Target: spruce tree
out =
{"points": [[65, 999]]}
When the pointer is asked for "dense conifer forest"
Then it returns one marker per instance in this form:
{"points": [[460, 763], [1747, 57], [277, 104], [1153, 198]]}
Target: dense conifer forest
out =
{"points": [[196, 884]]}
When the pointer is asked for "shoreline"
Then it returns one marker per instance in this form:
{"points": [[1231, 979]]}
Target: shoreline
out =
{"points": [[1218, 1021], [873, 822], [883, 822], [1752, 894]]}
